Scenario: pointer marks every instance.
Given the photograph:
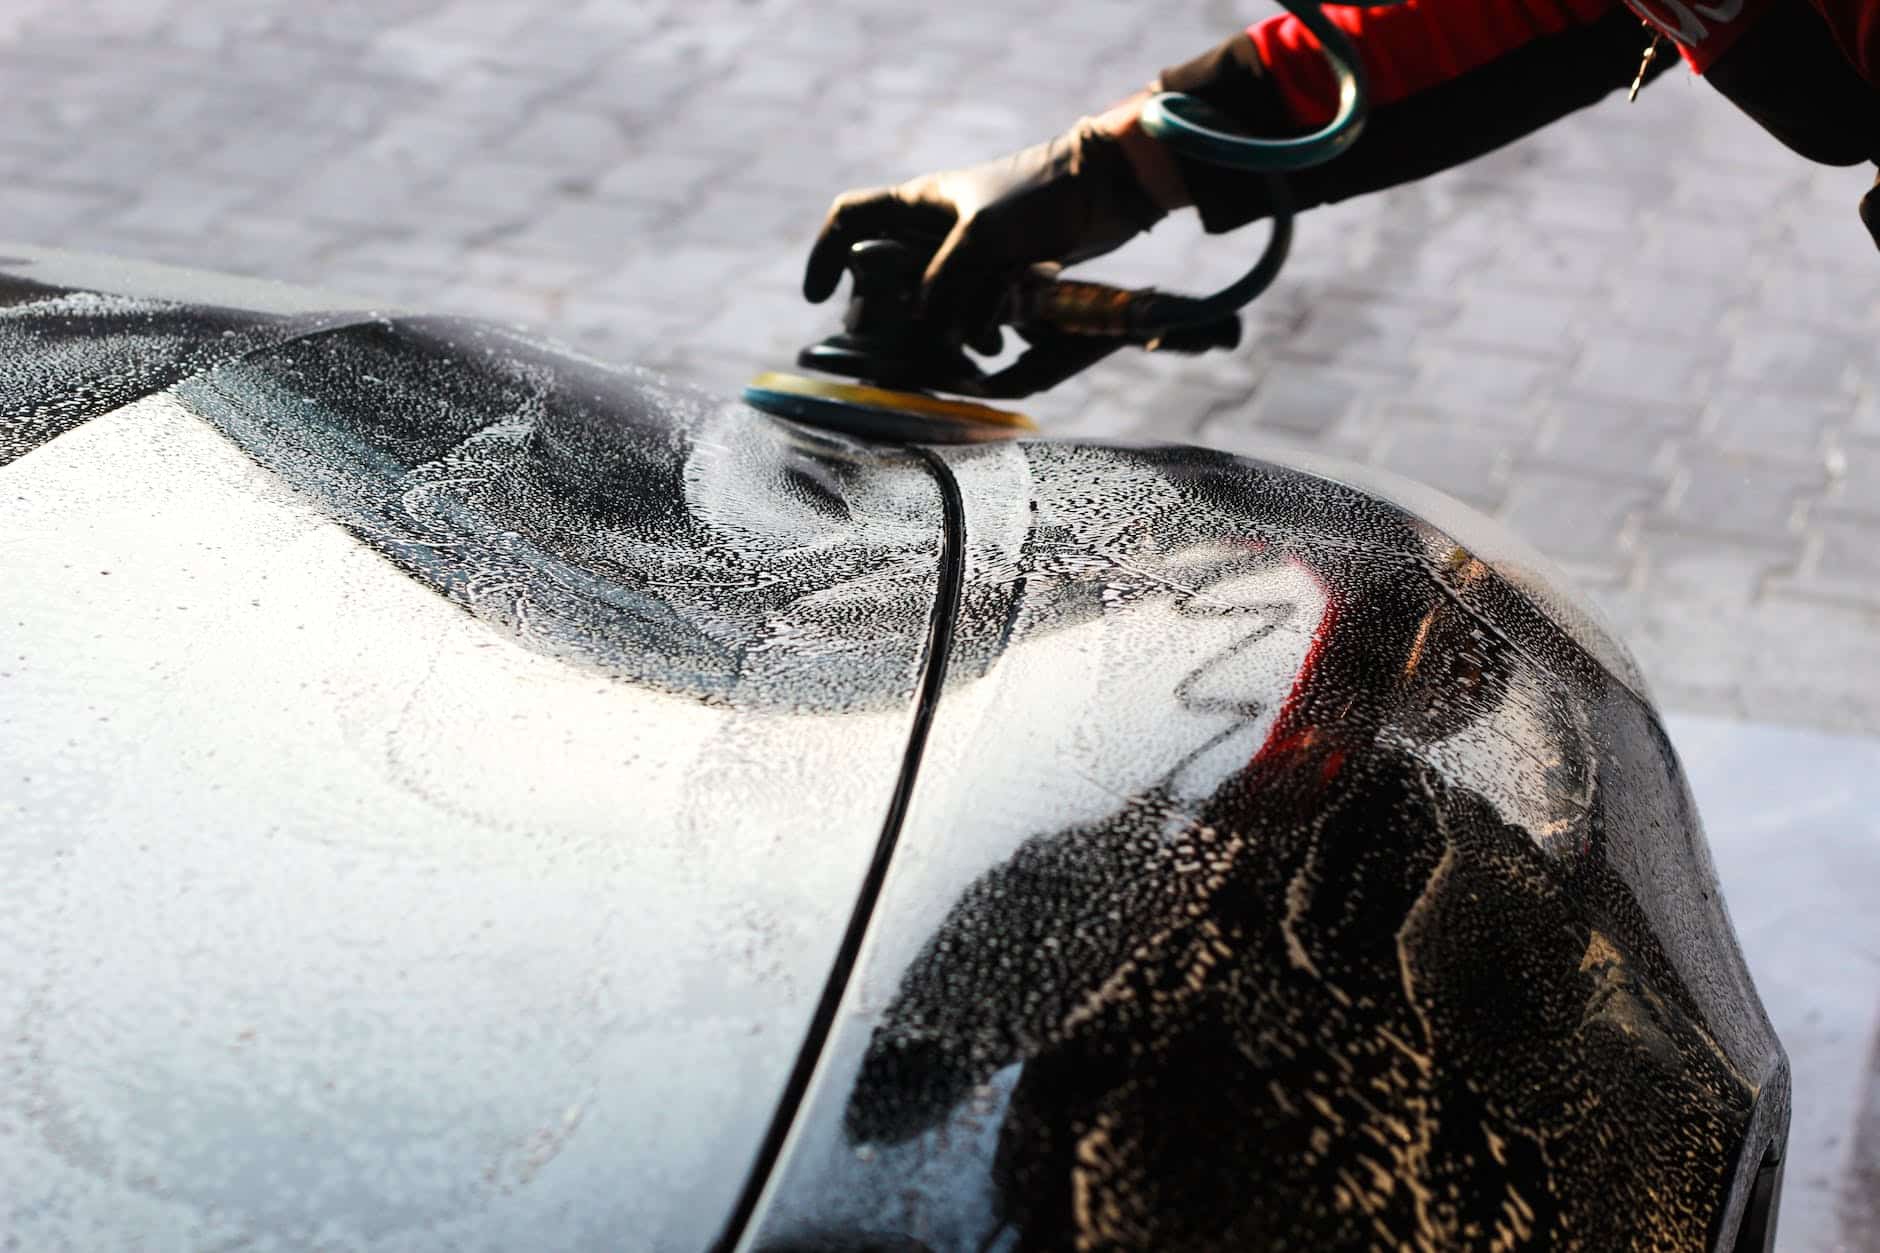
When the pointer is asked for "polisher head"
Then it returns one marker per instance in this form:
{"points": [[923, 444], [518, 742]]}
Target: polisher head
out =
{"points": [[906, 417]]}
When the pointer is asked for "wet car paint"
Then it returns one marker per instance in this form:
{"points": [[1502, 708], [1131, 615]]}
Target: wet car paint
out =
{"points": [[1275, 870], [1332, 895]]}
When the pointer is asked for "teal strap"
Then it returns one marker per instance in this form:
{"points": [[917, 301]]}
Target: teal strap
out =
{"points": [[1194, 130]]}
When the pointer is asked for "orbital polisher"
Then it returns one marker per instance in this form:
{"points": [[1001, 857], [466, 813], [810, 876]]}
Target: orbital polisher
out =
{"points": [[891, 366], [891, 374]]}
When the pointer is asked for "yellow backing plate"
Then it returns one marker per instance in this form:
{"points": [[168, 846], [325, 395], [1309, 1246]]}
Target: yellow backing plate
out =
{"points": [[894, 402]]}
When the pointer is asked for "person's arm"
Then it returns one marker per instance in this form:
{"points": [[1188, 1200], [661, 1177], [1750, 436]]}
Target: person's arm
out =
{"points": [[1449, 81]]}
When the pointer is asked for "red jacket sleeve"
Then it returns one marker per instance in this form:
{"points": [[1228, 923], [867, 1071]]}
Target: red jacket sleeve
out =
{"points": [[1856, 28], [1409, 47], [1449, 79]]}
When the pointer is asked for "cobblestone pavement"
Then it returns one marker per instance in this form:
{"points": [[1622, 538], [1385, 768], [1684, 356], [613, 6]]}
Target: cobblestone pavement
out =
{"points": [[1638, 337]]}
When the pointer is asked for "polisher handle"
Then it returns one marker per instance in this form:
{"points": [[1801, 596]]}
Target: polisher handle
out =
{"points": [[1080, 307], [1077, 306]]}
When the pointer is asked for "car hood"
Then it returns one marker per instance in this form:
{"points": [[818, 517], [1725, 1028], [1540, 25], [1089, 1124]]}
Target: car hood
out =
{"points": [[467, 790]]}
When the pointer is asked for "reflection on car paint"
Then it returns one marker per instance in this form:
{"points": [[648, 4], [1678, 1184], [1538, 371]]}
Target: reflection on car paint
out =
{"points": [[1354, 992]]}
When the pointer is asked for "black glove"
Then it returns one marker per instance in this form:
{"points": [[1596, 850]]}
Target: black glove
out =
{"points": [[1067, 200]]}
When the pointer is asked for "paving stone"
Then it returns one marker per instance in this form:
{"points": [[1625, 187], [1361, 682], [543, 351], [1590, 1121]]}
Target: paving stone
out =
{"points": [[18, 18], [180, 207], [1810, 652], [1783, 426], [268, 158], [1386, 258], [405, 256], [660, 177], [1721, 140], [717, 371], [1375, 333], [1725, 703], [747, 322], [1133, 378], [26, 151], [121, 158], [877, 139], [342, 26], [479, 23], [568, 49], [1175, 255], [494, 99], [354, 191], [1514, 427], [702, 47], [598, 233], [351, 104], [1862, 415], [1696, 570], [628, 22], [1687, 660], [1809, 698], [1528, 256], [633, 331], [1854, 487], [735, 212], [681, 277], [1828, 232], [1164, 410], [1685, 244], [290, 72], [1454, 378], [1303, 399], [1679, 417], [1627, 149], [1720, 193], [1227, 372], [1638, 369], [380, 286], [1574, 518], [1738, 496], [563, 138], [502, 191], [1581, 205], [36, 213], [273, 246], [1082, 407], [1781, 356], [1468, 466], [1619, 442], [498, 302], [500, 266], [1838, 299], [1842, 564], [1508, 319], [1665, 308]]}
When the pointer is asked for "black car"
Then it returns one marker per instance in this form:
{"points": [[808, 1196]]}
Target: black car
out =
{"points": [[461, 794]]}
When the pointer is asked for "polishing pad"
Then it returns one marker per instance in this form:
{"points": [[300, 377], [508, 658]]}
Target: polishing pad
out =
{"points": [[878, 413]]}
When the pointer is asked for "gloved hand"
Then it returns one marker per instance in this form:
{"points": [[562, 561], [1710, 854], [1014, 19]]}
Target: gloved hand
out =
{"points": [[1066, 200]]}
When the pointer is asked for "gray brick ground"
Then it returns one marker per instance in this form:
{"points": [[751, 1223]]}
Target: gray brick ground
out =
{"points": [[1641, 338]]}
